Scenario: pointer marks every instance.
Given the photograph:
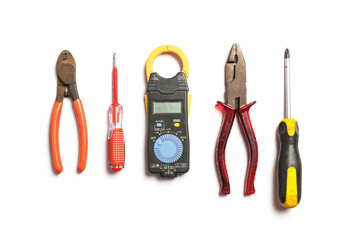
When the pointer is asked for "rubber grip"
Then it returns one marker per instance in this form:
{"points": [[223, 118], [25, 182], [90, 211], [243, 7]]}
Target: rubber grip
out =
{"points": [[252, 148], [80, 116], [228, 120], [117, 149], [54, 136], [289, 169]]}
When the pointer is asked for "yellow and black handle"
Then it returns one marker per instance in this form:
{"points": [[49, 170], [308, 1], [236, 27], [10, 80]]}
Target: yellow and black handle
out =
{"points": [[289, 164]]}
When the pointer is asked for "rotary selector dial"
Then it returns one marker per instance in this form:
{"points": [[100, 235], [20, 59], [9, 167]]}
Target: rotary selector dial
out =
{"points": [[168, 148]]}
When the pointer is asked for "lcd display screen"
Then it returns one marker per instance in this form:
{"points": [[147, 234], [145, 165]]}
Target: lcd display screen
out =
{"points": [[166, 107]]}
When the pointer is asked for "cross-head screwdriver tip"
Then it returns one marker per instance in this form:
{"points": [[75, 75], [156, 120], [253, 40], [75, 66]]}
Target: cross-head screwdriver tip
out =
{"points": [[287, 53]]}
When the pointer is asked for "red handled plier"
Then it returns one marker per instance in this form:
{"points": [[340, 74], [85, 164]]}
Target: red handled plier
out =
{"points": [[235, 104], [66, 87]]}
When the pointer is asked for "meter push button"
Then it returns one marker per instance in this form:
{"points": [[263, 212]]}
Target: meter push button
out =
{"points": [[168, 148]]}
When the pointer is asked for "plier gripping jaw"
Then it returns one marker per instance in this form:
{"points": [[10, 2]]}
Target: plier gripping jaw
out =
{"points": [[235, 104], [235, 78]]}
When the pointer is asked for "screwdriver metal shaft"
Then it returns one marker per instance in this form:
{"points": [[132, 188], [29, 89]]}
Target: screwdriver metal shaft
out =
{"points": [[287, 84]]}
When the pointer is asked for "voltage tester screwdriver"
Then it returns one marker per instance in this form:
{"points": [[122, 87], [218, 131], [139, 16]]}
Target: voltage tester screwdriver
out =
{"points": [[289, 163], [116, 141]]}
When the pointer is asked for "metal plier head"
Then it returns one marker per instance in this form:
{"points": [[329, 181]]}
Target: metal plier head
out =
{"points": [[235, 78], [66, 72]]}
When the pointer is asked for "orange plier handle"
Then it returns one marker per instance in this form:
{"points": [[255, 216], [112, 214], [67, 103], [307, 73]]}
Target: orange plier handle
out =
{"points": [[54, 135]]}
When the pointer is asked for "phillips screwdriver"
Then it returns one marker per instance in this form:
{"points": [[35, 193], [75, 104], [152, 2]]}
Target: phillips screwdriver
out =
{"points": [[116, 141], [289, 163]]}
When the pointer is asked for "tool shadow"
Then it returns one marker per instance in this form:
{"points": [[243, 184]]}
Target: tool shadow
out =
{"points": [[50, 153], [49, 134], [220, 109], [278, 207], [108, 170]]}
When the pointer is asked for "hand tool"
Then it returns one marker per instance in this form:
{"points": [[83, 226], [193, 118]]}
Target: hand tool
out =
{"points": [[167, 106], [116, 141], [66, 87], [235, 104], [289, 163]]}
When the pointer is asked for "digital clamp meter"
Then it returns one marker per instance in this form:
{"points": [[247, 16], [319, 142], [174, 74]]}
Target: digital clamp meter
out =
{"points": [[167, 106]]}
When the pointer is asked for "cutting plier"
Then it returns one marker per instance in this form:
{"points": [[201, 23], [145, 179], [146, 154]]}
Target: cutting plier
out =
{"points": [[66, 87], [235, 104]]}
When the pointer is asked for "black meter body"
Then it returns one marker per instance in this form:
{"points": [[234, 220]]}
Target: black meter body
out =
{"points": [[168, 135], [167, 105]]}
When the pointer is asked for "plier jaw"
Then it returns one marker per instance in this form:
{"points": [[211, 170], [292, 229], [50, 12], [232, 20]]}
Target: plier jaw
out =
{"points": [[66, 86], [235, 104], [66, 77], [235, 78]]}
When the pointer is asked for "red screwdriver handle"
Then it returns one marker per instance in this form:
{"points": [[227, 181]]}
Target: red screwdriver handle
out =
{"points": [[117, 150], [228, 120], [252, 147]]}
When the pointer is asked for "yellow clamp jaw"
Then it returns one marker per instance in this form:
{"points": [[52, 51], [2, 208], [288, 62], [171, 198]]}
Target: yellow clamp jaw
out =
{"points": [[167, 49]]}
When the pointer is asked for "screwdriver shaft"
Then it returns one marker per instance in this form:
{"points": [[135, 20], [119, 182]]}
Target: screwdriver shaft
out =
{"points": [[115, 81], [287, 84]]}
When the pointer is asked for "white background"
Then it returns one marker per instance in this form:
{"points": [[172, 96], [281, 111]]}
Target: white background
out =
{"points": [[323, 38]]}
